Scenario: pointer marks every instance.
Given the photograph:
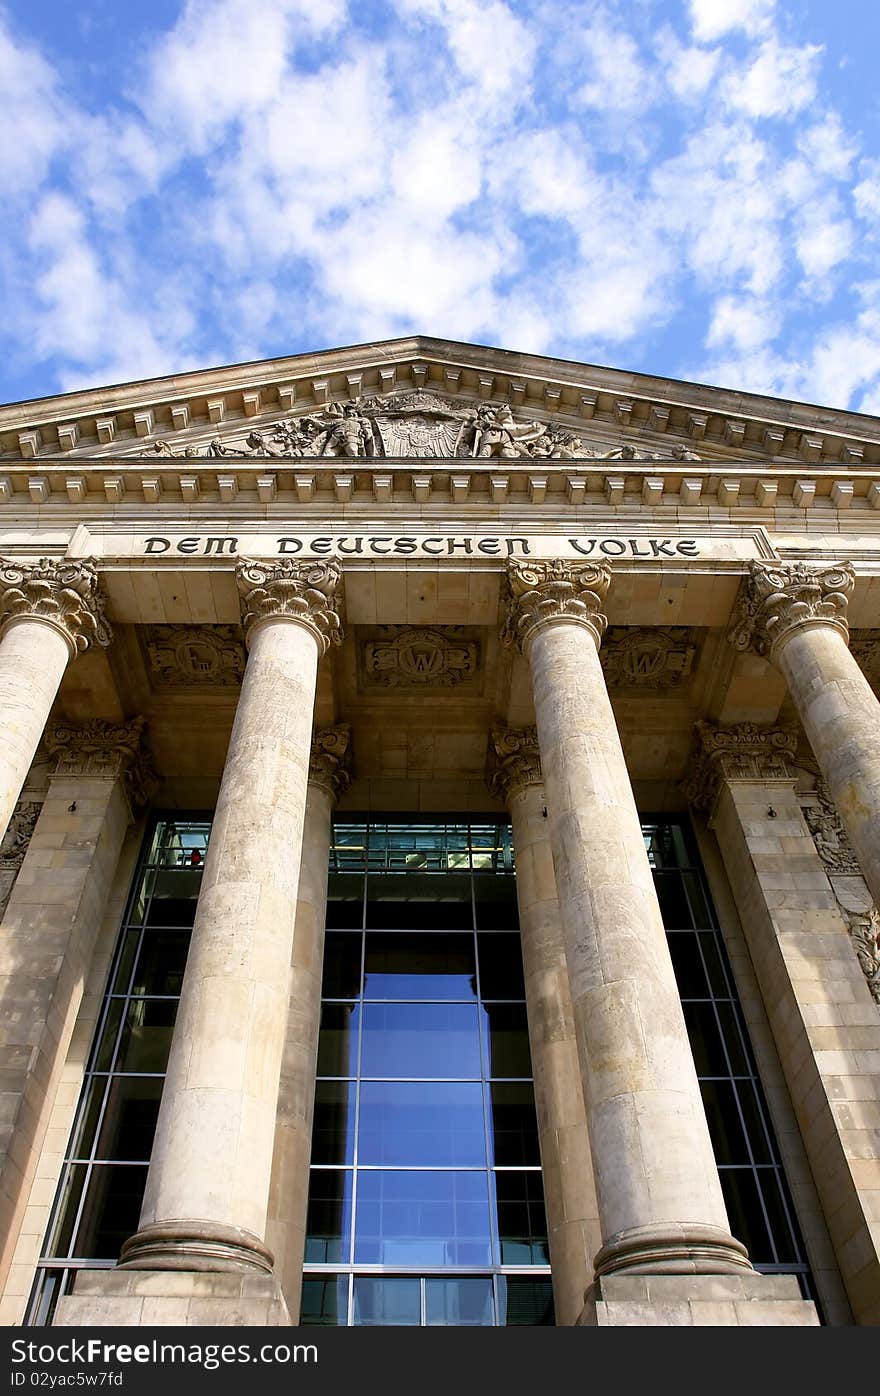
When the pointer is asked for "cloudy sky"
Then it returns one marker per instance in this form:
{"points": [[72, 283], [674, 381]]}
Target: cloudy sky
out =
{"points": [[682, 187]]}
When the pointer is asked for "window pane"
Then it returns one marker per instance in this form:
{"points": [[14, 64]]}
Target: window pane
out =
{"points": [[507, 1039], [705, 1039], [422, 1123], [345, 901], [501, 967], [690, 975], [130, 1118], [514, 1130], [495, 902], [146, 1035], [380, 1302], [324, 1302], [745, 1214], [337, 1040], [421, 1039], [422, 1218], [328, 1225], [333, 1125], [161, 962], [460, 1303], [673, 902], [523, 1301], [728, 1137], [419, 902], [522, 1224], [342, 966], [427, 967], [58, 1239], [112, 1209]]}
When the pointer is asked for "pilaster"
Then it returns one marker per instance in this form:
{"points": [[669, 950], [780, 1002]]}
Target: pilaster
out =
{"points": [[825, 1025], [49, 928]]}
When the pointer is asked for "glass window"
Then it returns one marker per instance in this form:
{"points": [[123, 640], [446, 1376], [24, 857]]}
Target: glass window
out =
{"points": [[420, 1039], [422, 1218], [460, 1302], [379, 1302], [422, 1123], [420, 967]]}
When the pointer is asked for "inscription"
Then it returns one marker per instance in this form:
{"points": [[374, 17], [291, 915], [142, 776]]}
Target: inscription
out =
{"points": [[407, 545]]}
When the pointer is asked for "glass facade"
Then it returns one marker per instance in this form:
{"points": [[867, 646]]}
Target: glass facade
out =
{"points": [[426, 1201], [425, 1154]]}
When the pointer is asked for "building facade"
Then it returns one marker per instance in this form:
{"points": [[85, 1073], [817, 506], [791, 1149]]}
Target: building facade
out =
{"points": [[442, 804]]}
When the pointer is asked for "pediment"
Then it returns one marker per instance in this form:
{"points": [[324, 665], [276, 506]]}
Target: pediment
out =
{"points": [[430, 399]]}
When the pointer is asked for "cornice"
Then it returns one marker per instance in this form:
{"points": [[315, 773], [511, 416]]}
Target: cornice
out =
{"points": [[130, 417], [84, 489]]}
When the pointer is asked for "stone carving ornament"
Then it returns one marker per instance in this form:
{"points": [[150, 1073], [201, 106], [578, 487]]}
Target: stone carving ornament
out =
{"points": [[829, 835], [545, 593], [99, 748], [63, 594], [741, 752], [413, 658], [864, 929], [308, 592], [515, 761], [330, 759], [418, 425], [778, 598], [188, 655], [15, 846], [660, 657]]}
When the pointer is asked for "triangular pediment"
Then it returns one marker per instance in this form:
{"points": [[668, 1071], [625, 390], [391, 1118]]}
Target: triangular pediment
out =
{"points": [[418, 399]]}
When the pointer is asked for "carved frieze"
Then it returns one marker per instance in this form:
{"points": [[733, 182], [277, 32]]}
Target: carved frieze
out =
{"points": [[777, 598], [15, 846], [544, 593], [829, 835], [864, 929], [330, 759], [865, 648], [400, 656], [741, 752], [307, 592], [514, 761], [189, 656], [657, 658], [417, 425], [60, 593]]}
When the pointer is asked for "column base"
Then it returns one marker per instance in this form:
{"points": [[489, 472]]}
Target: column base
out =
{"points": [[175, 1298], [673, 1250], [697, 1301], [188, 1245]]}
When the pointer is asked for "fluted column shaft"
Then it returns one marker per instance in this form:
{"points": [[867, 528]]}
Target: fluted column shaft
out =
{"points": [[660, 1201], [569, 1191], [208, 1186], [49, 613], [289, 1192]]}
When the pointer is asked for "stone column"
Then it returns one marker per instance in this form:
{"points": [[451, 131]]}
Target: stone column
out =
{"points": [[796, 614], [207, 1191], [569, 1190], [660, 1203], [49, 613], [48, 934], [289, 1192], [824, 1021]]}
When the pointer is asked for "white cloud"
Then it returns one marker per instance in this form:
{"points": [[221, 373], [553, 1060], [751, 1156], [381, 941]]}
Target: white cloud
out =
{"points": [[710, 19], [687, 69], [616, 78], [827, 147], [742, 322], [779, 82], [866, 194], [824, 239], [35, 122]]}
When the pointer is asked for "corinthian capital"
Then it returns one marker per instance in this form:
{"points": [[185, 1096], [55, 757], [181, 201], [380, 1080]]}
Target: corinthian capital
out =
{"points": [[779, 598], [307, 592], [741, 752], [99, 748], [330, 759], [62, 594], [515, 762], [544, 593]]}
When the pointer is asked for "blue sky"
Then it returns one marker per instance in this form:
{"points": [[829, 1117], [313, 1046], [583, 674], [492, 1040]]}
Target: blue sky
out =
{"points": [[687, 188]]}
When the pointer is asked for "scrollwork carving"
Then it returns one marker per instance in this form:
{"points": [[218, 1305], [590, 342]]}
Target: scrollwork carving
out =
{"points": [[829, 835], [545, 593], [330, 759], [307, 592], [514, 761], [779, 598], [407, 657], [15, 845], [864, 929], [63, 594]]}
